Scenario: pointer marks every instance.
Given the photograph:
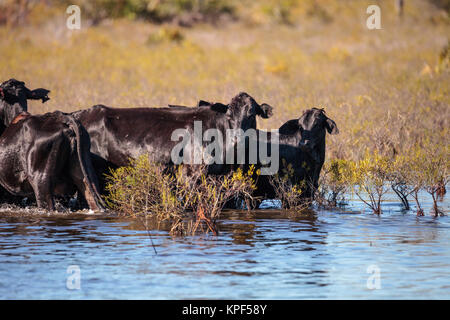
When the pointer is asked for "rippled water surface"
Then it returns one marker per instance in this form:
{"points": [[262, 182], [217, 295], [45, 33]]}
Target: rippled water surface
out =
{"points": [[260, 255]]}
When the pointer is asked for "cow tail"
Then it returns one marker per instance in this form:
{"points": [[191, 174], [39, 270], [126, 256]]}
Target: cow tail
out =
{"points": [[89, 177]]}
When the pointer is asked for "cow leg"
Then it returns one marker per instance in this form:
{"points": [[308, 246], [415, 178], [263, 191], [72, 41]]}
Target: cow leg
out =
{"points": [[100, 168], [45, 168], [43, 192], [253, 205], [82, 185]]}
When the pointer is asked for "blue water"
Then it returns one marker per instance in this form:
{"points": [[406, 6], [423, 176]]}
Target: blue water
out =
{"points": [[265, 254]]}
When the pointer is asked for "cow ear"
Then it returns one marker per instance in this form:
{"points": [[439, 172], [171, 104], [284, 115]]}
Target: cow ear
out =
{"points": [[203, 103], [331, 126], [2, 94], [267, 111], [39, 94]]}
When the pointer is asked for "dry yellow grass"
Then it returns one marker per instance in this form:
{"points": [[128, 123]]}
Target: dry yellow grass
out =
{"points": [[384, 88]]}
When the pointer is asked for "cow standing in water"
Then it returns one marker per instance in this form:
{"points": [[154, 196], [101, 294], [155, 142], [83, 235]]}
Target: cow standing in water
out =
{"points": [[13, 101], [302, 146], [120, 134], [43, 155]]}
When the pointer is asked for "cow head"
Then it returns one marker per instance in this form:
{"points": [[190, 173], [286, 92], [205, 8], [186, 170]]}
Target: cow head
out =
{"points": [[244, 108], [13, 99], [312, 125]]}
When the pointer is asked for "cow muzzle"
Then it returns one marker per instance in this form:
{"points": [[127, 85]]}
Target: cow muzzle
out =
{"points": [[306, 146]]}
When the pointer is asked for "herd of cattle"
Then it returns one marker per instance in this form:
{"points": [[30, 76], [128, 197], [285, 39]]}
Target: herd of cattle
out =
{"points": [[58, 154]]}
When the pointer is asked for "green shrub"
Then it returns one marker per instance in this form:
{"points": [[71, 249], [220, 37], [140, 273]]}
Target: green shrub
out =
{"points": [[370, 176], [211, 193], [402, 182], [333, 182], [147, 189], [291, 195], [155, 10], [205, 10], [433, 171], [422, 168]]}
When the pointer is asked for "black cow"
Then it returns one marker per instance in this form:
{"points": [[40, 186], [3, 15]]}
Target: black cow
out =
{"points": [[120, 134], [302, 145], [13, 100], [47, 155]]}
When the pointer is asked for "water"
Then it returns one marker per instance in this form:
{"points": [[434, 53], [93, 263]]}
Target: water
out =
{"points": [[260, 255]]}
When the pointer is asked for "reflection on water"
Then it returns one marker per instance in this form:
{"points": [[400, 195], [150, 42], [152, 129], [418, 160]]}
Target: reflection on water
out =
{"points": [[258, 255]]}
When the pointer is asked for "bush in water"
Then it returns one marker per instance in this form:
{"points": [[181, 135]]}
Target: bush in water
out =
{"points": [[147, 189]]}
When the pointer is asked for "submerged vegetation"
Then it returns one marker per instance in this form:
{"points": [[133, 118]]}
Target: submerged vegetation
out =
{"points": [[370, 176], [423, 168], [388, 90], [190, 200]]}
